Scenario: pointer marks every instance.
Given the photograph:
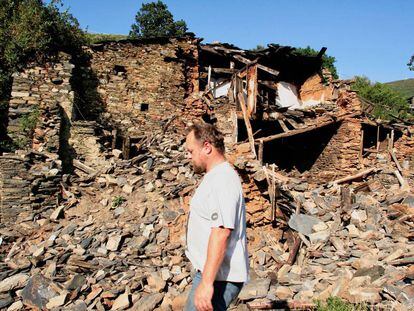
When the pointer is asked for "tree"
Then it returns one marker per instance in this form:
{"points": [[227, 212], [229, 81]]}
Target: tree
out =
{"points": [[155, 20], [411, 63], [328, 62], [386, 102], [32, 31], [258, 48]]}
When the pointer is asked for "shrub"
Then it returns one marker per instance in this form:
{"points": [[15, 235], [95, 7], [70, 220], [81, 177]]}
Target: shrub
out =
{"points": [[387, 103]]}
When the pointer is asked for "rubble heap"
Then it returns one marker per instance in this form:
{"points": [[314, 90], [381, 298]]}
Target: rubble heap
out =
{"points": [[121, 247]]}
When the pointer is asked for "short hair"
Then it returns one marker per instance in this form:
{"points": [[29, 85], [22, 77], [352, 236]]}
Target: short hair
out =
{"points": [[207, 132]]}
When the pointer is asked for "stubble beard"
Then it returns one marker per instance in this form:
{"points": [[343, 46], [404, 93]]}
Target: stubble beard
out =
{"points": [[198, 169]]}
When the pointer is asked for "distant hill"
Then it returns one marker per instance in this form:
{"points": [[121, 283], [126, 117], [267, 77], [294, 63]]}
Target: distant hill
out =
{"points": [[99, 37], [405, 87]]}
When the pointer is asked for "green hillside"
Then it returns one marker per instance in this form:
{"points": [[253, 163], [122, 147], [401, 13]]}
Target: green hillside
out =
{"points": [[405, 87]]}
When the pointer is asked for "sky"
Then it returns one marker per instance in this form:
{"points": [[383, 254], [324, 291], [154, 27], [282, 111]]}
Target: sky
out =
{"points": [[367, 37]]}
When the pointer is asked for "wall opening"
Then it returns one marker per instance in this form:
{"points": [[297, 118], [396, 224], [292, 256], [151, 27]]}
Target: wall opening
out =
{"points": [[376, 137], [301, 151], [144, 107], [119, 69]]}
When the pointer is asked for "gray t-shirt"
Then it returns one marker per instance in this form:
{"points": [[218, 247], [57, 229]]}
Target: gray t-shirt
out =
{"points": [[218, 201]]}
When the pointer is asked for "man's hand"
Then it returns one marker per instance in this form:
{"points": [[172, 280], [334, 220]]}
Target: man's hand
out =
{"points": [[203, 296]]}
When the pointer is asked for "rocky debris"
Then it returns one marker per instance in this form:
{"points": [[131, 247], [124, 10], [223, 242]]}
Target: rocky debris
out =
{"points": [[13, 282], [354, 244], [127, 253], [116, 241]]}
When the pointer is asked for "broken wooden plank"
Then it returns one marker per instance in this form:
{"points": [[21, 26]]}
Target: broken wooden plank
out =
{"points": [[295, 249], [79, 165], [283, 125], [219, 70], [356, 176], [394, 158], [404, 184], [279, 176], [293, 123], [307, 129], [247, 122]]}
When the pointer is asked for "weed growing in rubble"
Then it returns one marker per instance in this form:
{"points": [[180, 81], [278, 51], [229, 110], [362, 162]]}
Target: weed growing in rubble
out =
{"points": [[117, 201], [337, 304], [28, 121]]}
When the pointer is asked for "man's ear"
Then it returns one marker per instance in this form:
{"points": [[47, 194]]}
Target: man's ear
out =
{"points": [[207, 147]]}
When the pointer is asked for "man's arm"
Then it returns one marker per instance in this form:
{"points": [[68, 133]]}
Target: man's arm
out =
{"points": [[217, 245]]}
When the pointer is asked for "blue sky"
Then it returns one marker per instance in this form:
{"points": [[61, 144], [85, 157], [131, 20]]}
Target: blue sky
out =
{"points": [[370, 38]]}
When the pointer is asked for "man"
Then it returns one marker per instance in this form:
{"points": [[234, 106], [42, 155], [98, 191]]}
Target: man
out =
{"points": [[216, 230]]}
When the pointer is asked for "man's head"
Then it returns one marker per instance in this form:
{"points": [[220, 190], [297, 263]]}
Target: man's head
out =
{"points": [[205, 145]]}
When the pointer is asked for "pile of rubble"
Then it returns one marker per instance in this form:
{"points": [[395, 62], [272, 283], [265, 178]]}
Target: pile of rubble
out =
{"points": [[117, 240], [355, 243], [120, 247]]}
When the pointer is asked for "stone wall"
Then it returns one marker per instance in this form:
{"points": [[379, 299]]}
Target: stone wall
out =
{"points": [[142, 83], [39, 96], [404, 150], [29, 183], [340, 156]]}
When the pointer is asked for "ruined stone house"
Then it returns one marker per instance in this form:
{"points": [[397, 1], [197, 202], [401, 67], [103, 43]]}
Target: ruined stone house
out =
{"points": [[290, 113]]}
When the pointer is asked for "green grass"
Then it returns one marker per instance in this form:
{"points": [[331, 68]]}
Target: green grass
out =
{"points": [[337, 304], [405, 87], [117, 201], [99, 37]]}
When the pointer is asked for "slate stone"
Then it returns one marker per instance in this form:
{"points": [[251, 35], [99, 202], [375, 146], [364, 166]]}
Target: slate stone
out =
{"points": [[375, 272], [38, 292], [5, 300], [77, 282], [303, 223], [255, 289]]}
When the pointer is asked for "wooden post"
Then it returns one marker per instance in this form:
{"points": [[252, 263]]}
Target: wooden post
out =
{"points": [[251, 89], [247, 122], [378, 142], [391, 141], [273, 214], [126, 147], [114, 138], [261, 152], [208, 78], [361, 149]]}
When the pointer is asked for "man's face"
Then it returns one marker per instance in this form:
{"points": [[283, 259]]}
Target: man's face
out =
{"points": [[196, 153]]}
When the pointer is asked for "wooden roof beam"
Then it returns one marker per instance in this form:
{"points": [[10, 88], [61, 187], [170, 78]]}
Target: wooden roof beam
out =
{"points": [[260, 66]]}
